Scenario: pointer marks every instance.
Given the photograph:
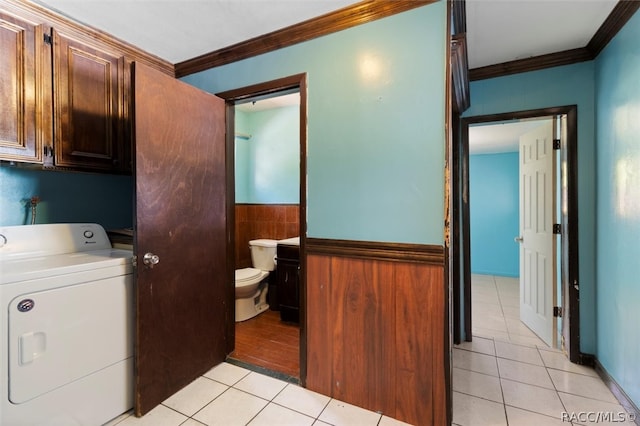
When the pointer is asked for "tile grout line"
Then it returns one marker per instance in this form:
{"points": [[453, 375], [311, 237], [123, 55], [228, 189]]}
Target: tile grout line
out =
{"points": [[564, 407], [547, 368], [504, 402]]}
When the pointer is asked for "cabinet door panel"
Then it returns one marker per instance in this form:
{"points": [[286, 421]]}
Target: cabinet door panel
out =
{"points": [[25, 75], [289, 282], [88, 105]]}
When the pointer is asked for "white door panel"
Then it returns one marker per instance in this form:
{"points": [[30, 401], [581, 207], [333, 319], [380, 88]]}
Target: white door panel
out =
{"points": [[537, 250]]}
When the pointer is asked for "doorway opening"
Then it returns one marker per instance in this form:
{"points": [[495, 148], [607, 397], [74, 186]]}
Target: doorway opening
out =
{"points": [[567, 258], [266, 205], [512, 199]]}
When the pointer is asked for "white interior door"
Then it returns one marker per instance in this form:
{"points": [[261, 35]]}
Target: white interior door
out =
{"points": [[537, 248]]}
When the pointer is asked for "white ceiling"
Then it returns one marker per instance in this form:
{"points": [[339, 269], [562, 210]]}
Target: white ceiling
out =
{"points": [[505, 30], [279, 101], [177, 30], [494, 138]]}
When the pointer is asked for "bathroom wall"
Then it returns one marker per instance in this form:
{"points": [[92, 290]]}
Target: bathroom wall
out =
{"points": [[558, 86], [267, 173], [242, 156], [494, 213], [376, 136], [375, 174], [268, 163], [255, 221], [65, 197], [618, 183]]}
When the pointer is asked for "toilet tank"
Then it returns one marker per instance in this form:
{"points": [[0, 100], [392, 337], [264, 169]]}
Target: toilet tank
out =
{"points": [[263, 253]]}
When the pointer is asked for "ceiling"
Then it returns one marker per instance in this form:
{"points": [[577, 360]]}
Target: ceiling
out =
{"points": [[501, 137], [505, 30], [178, 30], [281, 101]]}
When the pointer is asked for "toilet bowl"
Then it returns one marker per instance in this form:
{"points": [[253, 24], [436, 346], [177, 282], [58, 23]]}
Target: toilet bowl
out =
{"points": [[251, 283]]}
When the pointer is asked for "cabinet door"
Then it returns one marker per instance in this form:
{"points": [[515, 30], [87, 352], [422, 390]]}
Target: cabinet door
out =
{"points": [[288, 290], [25, 90], [88, 104]]}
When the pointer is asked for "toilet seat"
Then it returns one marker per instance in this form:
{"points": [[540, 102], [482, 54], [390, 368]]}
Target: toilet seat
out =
{"points": [[251, 293], [248, 276]]}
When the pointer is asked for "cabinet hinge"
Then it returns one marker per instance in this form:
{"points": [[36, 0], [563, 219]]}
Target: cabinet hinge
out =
{"points": [[557, 228], [557, 311], [556, 144], [47, 39]]}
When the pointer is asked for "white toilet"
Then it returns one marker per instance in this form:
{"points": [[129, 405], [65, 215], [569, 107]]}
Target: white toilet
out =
{"points": [[251, 285]]}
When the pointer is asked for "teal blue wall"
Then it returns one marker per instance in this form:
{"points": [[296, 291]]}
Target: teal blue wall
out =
{"points": [[66, 197], [268, 164], [617, 73], [376, 136], [242, 156], [494, 213], [559, 86]]}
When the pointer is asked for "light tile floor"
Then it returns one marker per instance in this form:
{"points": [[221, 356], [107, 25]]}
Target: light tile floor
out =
{"points": [[229, 395], [506, 376]]}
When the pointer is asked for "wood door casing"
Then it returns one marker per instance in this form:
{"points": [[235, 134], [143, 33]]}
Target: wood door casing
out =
{"points": [[183, 302]]}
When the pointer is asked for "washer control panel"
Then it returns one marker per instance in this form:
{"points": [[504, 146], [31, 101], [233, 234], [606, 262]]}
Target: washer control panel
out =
{"points": [[51, 239]]}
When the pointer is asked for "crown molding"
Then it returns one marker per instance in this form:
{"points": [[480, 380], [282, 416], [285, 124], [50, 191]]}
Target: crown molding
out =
{"points": [[534, 63], [351, 16], [621, 13]]}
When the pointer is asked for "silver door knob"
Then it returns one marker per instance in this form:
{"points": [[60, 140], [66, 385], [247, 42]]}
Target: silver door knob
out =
{"points": [[518, 239], [151, 259]]}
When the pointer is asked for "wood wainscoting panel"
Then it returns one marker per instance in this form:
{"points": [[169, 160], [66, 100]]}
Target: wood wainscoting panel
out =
{"points": [[319, 331], [420, 344], [362, 303], [376, 335]]}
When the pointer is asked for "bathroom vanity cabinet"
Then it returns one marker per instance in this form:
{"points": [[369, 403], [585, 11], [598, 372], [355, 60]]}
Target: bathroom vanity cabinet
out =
{"points": [[288, 277]]}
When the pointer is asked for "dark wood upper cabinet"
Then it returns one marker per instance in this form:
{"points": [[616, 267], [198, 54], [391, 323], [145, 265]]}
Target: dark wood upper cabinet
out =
{"points": [[65, 92], [25, 89], [89, 107]]}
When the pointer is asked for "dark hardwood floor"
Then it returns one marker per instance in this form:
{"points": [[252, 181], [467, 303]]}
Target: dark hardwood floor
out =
{"points": [[267, 342]]}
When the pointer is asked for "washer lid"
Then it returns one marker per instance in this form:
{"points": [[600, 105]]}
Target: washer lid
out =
{"points": [[33, 268], [247, 274]]}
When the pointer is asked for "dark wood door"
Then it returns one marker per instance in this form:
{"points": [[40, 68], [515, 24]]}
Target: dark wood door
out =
{"points": [[184, 300]]}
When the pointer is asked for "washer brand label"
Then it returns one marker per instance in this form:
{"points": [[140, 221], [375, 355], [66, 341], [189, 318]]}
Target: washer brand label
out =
{"points": [[26, 305]]}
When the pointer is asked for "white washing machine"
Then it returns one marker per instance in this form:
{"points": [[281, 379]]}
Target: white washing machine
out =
{"points": [[66, 326]]}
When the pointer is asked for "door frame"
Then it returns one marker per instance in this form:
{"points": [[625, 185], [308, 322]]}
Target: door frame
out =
{"points": [[569, 263], [232, 97]]}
